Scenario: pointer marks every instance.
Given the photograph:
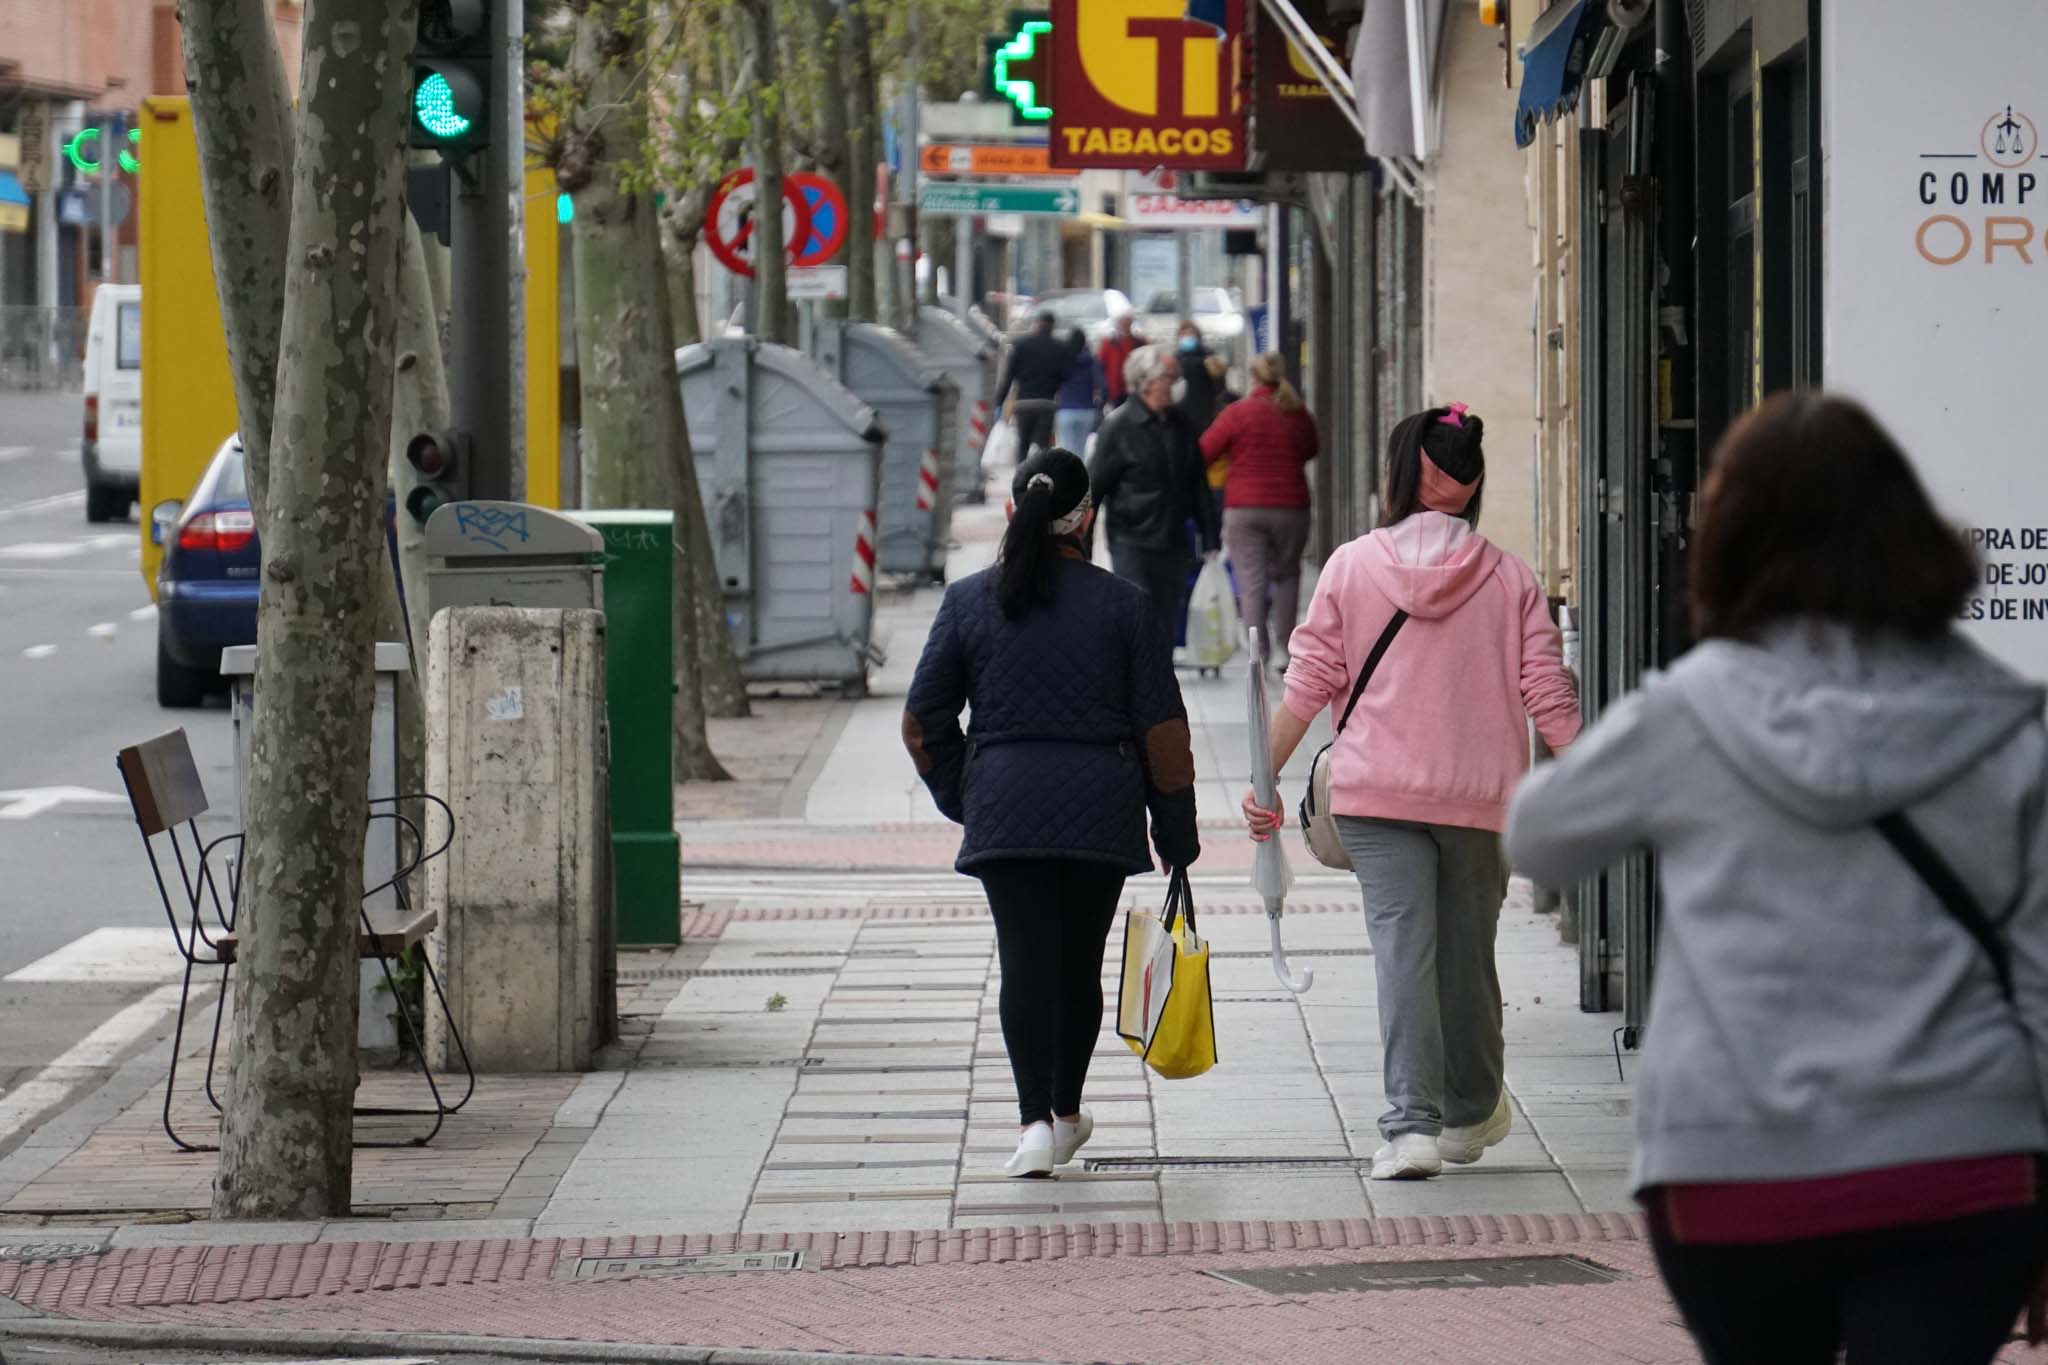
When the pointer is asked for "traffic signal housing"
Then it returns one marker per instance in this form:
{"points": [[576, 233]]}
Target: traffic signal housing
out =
{"points": [[451, 82], [441, 463]]}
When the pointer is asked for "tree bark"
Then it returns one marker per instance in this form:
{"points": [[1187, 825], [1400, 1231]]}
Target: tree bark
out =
{"points": [[863, 150], [834, 128], [634, 438], [773, 320], [287, 1127], [242, 118]]}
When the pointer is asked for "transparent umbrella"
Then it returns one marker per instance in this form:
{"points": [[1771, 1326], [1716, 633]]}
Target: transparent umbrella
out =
{"points": [[1270, 874]]}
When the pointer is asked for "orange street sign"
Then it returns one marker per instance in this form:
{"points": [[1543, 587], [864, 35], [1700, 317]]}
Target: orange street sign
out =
{"points": [[962, 158]]}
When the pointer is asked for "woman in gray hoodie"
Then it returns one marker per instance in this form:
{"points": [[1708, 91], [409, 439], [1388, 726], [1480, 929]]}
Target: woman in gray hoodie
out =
{"points": [[1839, 1114]]}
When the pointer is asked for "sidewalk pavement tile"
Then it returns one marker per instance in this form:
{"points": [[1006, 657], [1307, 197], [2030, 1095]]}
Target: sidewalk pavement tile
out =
{"points": [[1475, 1191]]}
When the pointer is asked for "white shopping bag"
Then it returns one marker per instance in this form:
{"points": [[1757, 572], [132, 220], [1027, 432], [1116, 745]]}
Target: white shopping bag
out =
{"points": [[1149, 954], [1212, 617], [1001, 451]]}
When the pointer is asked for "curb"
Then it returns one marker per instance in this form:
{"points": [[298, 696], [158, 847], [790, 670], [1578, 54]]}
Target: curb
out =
{"points": [[121, 1335]]}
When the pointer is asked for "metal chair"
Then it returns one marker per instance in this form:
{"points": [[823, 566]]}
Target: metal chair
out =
{"points": [[167, 798]]}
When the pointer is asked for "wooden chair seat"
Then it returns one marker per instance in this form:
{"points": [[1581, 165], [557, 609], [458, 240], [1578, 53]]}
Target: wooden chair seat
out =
{"points": [[391, 931]]}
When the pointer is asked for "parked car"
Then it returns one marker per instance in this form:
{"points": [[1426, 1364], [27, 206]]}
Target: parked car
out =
{"points": [[111, 447], [208, 583], [1216, 314], [1092, 310]]}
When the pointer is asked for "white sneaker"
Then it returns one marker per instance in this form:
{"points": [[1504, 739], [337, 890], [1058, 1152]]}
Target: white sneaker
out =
{"points": [[1069, 1138], [1033, 1159], [1411, 1156], [1463, 1146]]}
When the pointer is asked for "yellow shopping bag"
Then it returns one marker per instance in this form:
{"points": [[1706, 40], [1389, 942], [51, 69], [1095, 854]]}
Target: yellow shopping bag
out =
{"points": [[1163, 1008]]}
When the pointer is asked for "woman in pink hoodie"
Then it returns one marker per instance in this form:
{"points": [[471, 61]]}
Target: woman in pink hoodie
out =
{"points": [[1421, 773]]}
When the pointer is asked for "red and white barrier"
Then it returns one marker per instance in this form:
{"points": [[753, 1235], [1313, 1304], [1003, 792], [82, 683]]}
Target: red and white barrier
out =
{"points": [[928, 480], [864, 556]]}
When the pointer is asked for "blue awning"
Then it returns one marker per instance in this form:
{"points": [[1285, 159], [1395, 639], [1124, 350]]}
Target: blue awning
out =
{"points": [[11, 191], [1554, 63]]}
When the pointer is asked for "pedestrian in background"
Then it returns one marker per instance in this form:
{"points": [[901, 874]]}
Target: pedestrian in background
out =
{"points": [[1036, 367], [1076, 731], [1266, 441], [1115, 350], [1147, 471], [1421, 773], [1839, 1110], [1080, 396], [1199, 388]]}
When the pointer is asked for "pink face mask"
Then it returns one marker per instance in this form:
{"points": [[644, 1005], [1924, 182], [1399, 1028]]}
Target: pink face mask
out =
{"points": [[1441, 492]]}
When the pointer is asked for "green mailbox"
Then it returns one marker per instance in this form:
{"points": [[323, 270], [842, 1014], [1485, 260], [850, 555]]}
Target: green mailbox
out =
{"points": [[639, 556]]}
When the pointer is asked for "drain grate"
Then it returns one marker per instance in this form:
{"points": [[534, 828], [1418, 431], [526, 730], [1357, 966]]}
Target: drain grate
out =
{"points": [[49, 1251], [687, 973], [1297, 952], [1479, 1272], [712, 1263], [1278, 1164]]}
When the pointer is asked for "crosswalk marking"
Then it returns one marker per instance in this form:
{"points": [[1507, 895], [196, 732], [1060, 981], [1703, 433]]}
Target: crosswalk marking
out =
{"points": [[65, 549], [108, 955]]}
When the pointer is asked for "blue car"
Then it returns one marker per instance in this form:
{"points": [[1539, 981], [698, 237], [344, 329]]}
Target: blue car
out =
{"points": [[207, 585]]}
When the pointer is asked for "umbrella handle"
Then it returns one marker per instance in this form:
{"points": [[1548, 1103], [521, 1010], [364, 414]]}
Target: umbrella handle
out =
{"points": [[1299, 985]]}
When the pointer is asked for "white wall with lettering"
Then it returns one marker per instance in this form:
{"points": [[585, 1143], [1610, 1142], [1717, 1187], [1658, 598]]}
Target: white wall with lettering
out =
{"points": [[1935, 252]]}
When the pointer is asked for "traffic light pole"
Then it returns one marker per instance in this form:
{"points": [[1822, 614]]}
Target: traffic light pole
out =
{"points": [[486, 321]]}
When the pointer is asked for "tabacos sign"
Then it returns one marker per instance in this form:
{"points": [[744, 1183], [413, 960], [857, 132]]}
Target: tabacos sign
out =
{"points": [[1145, 83], [1989, 205]]}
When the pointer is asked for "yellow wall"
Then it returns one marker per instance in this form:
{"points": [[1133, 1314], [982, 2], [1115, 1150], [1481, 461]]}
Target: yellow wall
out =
{"points": [[188, 394]]}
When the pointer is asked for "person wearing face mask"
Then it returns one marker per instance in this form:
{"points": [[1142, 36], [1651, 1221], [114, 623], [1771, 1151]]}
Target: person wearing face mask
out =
{"points": [[1199, 389]]}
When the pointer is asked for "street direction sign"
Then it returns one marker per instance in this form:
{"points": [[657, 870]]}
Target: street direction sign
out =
{"points": [[967, 199], [988, 158]]}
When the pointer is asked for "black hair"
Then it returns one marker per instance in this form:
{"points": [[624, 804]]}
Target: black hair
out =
{"points": [[1458, 450], [1049, 485], [1811, 509]]}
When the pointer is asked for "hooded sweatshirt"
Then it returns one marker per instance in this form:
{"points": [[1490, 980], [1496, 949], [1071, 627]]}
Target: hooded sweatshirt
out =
{"points": [[1815, 1010], [1441, 733]]}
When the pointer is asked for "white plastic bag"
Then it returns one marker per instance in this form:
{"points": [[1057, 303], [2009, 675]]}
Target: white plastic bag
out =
{"points": [[1000, 454], [1212, 617]]}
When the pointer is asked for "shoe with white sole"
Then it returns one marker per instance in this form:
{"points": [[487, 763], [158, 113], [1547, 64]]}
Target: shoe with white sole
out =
{"points": [[1069, 1138], [1411, 1156], [1033, 1159], [1463, 1146]]}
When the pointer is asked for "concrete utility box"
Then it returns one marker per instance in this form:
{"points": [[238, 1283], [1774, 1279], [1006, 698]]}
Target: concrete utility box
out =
{"points": [[639, 592], [969, 360], [516, 746], [915, 401], [375, 1027], [787, 463], [511, 554]]}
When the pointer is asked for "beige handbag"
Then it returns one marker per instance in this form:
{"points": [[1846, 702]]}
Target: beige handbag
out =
{"points": [[1318, 822]]}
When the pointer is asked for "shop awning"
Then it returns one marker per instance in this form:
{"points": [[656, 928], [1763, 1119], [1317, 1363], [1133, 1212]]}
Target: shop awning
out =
{"points": [[11, 191], [1394, 74], [1554, 64]]}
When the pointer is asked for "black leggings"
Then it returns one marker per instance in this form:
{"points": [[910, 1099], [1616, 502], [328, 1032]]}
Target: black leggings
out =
{"points": [[1944, 1293], [1052, 919]]}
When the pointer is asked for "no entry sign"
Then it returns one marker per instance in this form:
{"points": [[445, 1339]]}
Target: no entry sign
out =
{"points": [[729, 221]]}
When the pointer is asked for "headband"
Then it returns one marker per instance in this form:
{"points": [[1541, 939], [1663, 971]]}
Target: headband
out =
{"points": [[1070, 523], [1441, 492]]}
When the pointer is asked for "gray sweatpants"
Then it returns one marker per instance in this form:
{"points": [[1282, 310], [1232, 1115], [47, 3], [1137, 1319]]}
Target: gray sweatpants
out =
{"points": [[1432, 906]]}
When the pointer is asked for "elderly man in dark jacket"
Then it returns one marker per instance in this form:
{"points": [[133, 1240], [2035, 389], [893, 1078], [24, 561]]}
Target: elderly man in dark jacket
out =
{"points": [[1148, 474]]}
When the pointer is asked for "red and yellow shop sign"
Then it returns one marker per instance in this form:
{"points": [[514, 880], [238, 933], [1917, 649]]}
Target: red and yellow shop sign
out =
{"points": [[1139, 84]]}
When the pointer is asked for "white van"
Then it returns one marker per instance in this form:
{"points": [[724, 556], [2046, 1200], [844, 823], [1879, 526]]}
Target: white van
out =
{"points": [[112, 447]]}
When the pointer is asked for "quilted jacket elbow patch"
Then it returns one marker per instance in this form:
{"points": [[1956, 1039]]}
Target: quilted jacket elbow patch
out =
{"points": [[1170, 755]]}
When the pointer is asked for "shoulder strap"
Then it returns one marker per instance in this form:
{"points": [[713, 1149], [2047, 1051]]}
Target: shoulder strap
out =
{"points": [[1948, 888], [1372, 661]]}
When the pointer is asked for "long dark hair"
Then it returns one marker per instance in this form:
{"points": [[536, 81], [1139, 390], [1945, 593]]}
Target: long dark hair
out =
{"points": [[1458, 449], [1048, 486], [1812, 510]]}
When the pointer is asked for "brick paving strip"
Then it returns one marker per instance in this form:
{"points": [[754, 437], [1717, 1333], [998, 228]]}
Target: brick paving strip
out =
{"points": [[1084, 1292]]}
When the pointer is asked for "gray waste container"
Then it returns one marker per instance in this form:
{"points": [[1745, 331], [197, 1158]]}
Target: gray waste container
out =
{"points": [[788, 464], [969, 360], [915, 401]]}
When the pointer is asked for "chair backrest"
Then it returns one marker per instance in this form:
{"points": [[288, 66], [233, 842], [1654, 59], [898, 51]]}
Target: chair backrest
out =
{"points": [[163, 782]]}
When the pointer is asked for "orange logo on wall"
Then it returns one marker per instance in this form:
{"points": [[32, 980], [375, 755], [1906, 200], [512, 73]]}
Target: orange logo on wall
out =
{"points": [[1139, 84]]}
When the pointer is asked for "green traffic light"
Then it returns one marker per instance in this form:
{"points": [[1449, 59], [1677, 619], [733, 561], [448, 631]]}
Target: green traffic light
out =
{"points": [[433, 104]]}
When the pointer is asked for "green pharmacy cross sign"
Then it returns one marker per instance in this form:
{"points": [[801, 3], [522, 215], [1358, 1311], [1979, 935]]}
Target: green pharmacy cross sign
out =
{"points": [[1020, 68], [80, 150]]}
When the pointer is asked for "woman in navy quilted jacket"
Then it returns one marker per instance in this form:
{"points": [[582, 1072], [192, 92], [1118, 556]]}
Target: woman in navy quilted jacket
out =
{"points": [[1077, 730]]}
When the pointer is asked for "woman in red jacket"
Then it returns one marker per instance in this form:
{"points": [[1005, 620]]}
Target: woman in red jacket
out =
{"points": [[1267, 437]]}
